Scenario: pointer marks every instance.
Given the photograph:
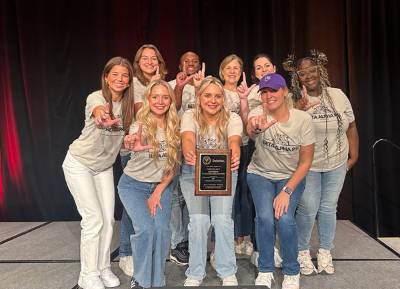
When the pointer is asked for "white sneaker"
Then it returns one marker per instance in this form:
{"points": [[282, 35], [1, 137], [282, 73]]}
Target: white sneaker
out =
{"points": [[93, 282], [324, 259], [291, 282], [264, 279], [254, 258], [230, 281], [109, 279], [306, 265], [277, 258], [189, 282], [126, 265], [248, 247], [212, 260]]}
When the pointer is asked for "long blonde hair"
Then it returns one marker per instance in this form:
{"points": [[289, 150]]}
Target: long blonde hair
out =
{"points": [[222, 116], [172, 135]]}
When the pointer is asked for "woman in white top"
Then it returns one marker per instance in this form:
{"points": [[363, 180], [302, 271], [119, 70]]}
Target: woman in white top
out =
{"points": [[230, 71], [148, 65], [210, 126], [284, 141], [89, 174], [336, 151], [146, 185]]}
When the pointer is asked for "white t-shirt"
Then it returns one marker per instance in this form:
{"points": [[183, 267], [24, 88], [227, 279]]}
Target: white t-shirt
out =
{"points": [[210, 141], [97, 148], [139, 90], [254, 98], [233, 104], [326, 127], [142, 166], [277, 150], [188, 97]]}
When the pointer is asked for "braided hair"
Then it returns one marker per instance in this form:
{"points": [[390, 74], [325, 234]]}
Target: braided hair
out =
{"points": [[320, 60]]}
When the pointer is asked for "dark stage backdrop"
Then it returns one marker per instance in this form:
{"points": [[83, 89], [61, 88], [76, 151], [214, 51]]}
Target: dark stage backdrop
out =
{"points": [[52, 54]]}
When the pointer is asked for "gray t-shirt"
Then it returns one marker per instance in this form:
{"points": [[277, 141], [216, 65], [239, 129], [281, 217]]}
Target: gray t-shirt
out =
{"points": [[326, 127], [278, 148], [142, 166], [97, 148], [139, 90], [210, 141], [188, 97], [233, 104], [254, 98]]}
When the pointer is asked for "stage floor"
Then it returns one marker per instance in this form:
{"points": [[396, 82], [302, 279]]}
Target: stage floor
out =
{"points": [[46, 256]]}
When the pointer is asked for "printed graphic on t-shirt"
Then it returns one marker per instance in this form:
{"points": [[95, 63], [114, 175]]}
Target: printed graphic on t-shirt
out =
{"points": [[322, 112], [115, 130], [162, 154], [207, 143], [279, 142], [190, 105], [235, 107]]}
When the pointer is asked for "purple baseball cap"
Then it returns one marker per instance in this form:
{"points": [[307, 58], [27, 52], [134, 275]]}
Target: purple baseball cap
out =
{"points": [[273, 80]]}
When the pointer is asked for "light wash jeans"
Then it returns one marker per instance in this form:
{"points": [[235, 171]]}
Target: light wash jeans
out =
{"points": [[200, 208], [264, 192], [94, 197], [126, 228], [319, 201], [151, 240], [179, 217]]}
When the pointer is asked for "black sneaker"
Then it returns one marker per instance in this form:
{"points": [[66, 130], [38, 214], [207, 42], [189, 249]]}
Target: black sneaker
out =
{"points": [[180, 255], [135, 284]]}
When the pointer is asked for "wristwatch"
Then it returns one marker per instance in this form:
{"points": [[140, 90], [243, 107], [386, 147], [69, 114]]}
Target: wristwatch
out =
{"points": [[287, 190]]}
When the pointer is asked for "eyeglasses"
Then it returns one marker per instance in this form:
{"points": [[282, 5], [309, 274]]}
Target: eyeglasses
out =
{"points": [[313, 70]]}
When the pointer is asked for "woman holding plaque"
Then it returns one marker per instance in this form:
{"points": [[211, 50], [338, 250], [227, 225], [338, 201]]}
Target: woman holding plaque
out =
{"points": [[210, 125], [146, 186], [284, 141]]}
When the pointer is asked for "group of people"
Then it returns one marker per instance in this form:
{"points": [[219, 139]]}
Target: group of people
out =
{"points": [[291, 147]]}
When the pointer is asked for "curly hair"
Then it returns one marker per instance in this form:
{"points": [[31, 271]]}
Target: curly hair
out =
{"points": [[172, 135], [222, 116], [320, 60]]}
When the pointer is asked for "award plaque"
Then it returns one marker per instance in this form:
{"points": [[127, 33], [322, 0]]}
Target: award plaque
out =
{"points": [[213, 172]]}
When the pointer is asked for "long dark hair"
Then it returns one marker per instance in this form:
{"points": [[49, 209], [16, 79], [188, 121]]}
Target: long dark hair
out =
{"points": [[127, 103]]}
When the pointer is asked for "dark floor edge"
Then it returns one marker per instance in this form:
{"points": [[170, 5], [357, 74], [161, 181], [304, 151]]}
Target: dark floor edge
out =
{"points": [[23, 233], [377, 240]]}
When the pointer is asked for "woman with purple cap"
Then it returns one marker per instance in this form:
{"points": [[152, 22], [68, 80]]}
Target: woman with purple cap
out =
{"points": [[284, 141]]}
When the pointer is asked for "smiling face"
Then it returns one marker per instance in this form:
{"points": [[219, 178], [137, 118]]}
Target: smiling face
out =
{"points": [[309, 76], [159, 100], [148, 62], [117, 79], [263, 66], [189, 63], [231, 72], [211, 100], [272, 99]]}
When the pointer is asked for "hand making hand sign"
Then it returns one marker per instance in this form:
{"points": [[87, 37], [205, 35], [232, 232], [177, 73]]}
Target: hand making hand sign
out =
{"points": [[199, 76], [102, 117], [243, 90], [260, 124], [135, 141], [157, 75], [305, 103]]}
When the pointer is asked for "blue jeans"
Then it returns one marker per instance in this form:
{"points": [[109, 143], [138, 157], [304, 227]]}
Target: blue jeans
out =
{"points": [[179, 217], [150, 242], [200, 208], [319, 201], [243, 209], [126, 228], [264, 192]]}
